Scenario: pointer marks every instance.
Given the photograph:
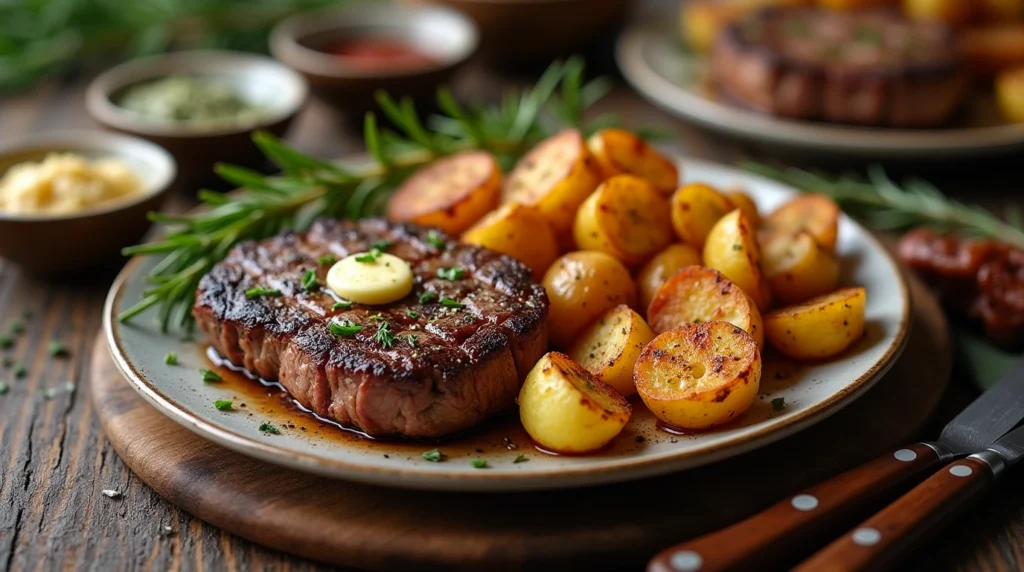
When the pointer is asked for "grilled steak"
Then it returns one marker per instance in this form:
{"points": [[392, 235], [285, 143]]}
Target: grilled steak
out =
{"points": [[446, 368], [871, 68]]}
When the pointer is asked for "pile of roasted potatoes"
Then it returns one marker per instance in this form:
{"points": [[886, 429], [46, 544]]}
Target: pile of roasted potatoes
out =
{"points": [[659, 290], [990, 33]]}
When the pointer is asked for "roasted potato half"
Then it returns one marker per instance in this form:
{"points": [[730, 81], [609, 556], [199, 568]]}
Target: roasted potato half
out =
{"points": [[819, 328], [626, 218], [660, 268], [951, 12], [732, 249], [451, 193], [798, 268], [814, 213], [695, 209], [1010, 94], [696, 295], [566, 410], [742, 201], [608, 348], [993, 48], [581, 286], [555, 177], [520, 232], [620, 152], [699, 376]]}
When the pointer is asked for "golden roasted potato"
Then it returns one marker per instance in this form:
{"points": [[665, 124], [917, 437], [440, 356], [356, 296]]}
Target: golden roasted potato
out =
{"points": [[699, 376], [1010, 94], [620, 152], [520, 232], [581, 286], [695, 209], [819, 328], [742, 201], [451, 193], [566, 410], [1001, 10], [852, 5], [661, 268], [993, 48], [556, 177], [626, 218], [951, 12], [798, 268], [609, 347], [814, 213], [732, 249], [696, 295]]}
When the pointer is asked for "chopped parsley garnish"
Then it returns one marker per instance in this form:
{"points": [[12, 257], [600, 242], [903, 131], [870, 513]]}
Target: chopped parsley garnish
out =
{"points": [[210, 376], [7, 361], [778, 403], [434, 456], [411, 338], [342, 305], [269, 428], [259, 291], [521, 458], [171, 358], [223, 405], [381, 245], [57, 349], [453, 273], [309, 281], [479, 463], [737, 247], [344, 329], [377, 317], [6, 342], [369, 257], [428, 297], [20, 371], [3, 387], [451, 302], [326, 259], [412, 314], [435, 240], [384, 335], [17, 326]]}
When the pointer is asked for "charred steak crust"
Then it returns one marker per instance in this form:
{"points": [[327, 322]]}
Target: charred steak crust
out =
{"points": [[447, 368], [869, 68]]}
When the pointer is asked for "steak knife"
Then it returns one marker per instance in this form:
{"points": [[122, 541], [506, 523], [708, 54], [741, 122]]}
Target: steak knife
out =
{"points": [[886, 538], [782, 534]]}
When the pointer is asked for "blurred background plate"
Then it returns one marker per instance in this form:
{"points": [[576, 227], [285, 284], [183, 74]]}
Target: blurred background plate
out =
{"points": [[655, 62]]}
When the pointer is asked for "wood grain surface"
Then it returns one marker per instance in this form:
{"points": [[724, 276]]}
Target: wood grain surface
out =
{"points": [[56, 461]]}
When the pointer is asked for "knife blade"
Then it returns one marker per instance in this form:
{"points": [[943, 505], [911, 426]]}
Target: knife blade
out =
{"points": [[989, 417]]}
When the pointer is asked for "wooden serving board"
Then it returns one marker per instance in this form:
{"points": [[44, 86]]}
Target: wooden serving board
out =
{"points": [[602, 527]]}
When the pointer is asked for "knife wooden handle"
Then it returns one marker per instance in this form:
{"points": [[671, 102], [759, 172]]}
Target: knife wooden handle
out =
{"points": [[884, 539], [780, 535]]}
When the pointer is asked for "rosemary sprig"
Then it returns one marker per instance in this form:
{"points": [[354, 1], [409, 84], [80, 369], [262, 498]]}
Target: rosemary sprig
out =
{"points": [[888, 206], [308, 188]]}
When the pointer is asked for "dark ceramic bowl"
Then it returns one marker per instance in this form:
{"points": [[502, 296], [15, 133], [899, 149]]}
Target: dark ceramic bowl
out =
{"points": [[446, 36], [259, 79], [52, 244]]}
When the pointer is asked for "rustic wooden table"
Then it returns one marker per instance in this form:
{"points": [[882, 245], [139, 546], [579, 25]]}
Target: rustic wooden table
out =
{"points": [[55, 460]]}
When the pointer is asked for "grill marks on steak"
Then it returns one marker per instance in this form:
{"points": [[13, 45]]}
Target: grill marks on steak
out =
{"points": [[464, 365]]}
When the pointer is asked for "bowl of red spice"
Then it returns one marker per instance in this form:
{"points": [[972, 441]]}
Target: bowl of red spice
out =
{"points": [[350, 53]]}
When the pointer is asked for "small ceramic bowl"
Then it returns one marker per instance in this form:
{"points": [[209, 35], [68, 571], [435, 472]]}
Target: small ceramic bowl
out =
{"points": [[259, 79], [446, 36], [51, 244]]}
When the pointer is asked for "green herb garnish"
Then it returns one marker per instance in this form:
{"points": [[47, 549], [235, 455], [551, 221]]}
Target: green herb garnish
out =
{"points": [[57, 348], [17, 326], [309, 281], [6, 342], [412, 340], [434, 456], [342, 305], [479, 463], [778, 403], [451, 302], [327, 259], [3, 387], [269, 428], [453, 273], [210, 376], [521, 458], [344, 329], [369, 257], [259, 291], [171, 358], [384, 335], [7, 361], [428, 297], [380, 245], [412, 314], [20, 371], [223, 404], [435, 239]]}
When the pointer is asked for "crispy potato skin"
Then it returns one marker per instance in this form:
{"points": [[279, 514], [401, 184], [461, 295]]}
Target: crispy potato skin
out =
{"points": [[742, 201], [814, 213], [733, 250], [626, 218], [697, 294], [695, 210], [520, 232], [951, 12], [993, 48], [555, 177], [1010, 94], [660, 268], [609, 347], [452, 193], [620, 152], [798, 268], [581, 286], [819, 328], [566, 410], [699, 376]]}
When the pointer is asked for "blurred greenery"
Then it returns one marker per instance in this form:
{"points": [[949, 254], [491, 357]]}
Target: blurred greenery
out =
{"points": [[43, 37]]}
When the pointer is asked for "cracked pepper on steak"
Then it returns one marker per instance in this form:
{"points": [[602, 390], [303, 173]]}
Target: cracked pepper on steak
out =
{"points": [[465, 365]]}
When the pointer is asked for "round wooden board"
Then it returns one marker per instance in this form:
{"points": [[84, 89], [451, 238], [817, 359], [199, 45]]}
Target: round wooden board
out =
{"points": [[602, 527]]}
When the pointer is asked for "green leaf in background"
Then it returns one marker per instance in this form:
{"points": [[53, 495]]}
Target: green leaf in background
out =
{"points": [[985, 362]]}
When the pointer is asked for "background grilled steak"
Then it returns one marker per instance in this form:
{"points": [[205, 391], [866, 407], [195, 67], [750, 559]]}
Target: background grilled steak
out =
{"points": [[464, 365], [873, 68]]}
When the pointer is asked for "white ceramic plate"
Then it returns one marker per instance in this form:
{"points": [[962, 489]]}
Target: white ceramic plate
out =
{"points": [[653, 60], [811, 393]]}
